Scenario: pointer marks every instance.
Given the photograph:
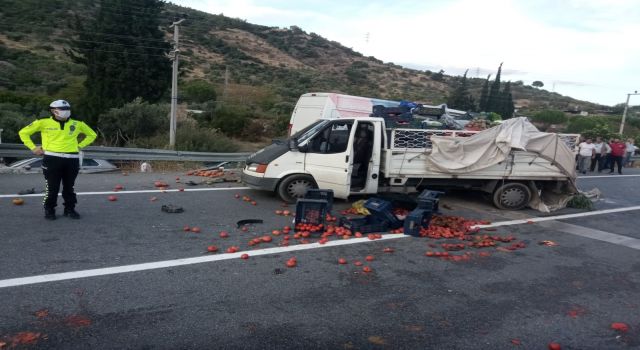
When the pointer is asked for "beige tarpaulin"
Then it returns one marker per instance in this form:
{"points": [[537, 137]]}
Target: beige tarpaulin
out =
{"points": [[466, 154], [459, 155]]}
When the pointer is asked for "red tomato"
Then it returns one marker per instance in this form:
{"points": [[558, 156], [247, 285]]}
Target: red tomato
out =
{"points": [[112, 198], [119, 187], [195, 229], [186, 229], [358, 235], [619, 326], [224, 234], [254, 203], [388, 250], [429, 253], [244, 256], [554, 346], [369, 258], [245, 228], [342, 261], [366, 269], [286, 212], [212, 249], [278, 212], [358, 263], [286, 237], [237, 195], [266, 239]]}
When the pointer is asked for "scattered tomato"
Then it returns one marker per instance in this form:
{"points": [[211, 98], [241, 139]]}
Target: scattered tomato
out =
{"points": [[369, 258], [195, 229], [224, 234], [619, 326], [554, 346], [237, 196], [266, 239], [358, 263], [254, 203], [366, 269], [186, 229], [212, 249], [17, 201], [112, 198], [244, 256], [275, 233], [342, 261]]}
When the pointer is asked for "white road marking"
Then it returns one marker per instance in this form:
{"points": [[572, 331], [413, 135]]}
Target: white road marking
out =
{"points": [[129, 192], [13, 282], [609, 176], [557, 217], [599, 235]]}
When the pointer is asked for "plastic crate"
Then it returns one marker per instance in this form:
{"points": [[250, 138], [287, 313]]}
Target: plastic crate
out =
{"points": [[383, 211], [429, 200], [326, 195], [367, 224], [416, 220], [311, 211]]}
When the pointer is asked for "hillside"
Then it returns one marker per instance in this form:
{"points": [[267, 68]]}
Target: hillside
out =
{"points": [[289, 61]]}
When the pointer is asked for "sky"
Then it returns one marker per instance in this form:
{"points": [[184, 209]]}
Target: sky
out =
{"points": [[585, 49]]}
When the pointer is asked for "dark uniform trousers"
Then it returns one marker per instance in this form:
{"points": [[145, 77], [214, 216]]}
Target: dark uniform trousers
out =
{"points": [[56, 169]]}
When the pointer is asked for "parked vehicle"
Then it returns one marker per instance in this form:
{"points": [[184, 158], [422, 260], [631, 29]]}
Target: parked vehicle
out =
{"points": [[89, 165], [514, 161]]}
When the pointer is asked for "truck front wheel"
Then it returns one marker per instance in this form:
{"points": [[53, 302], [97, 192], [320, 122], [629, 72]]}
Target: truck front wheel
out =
{"points": [[512, 196], [295, 186]]}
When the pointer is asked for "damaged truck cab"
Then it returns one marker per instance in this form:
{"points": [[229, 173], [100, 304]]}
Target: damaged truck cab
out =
{"points": [[359, 155]]}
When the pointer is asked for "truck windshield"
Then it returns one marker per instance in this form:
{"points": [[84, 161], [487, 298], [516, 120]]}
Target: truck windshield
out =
{"points": [[303, 135]]}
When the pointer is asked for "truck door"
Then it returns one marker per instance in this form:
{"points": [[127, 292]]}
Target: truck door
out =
{"points": [[370, 174], [328, 157]]}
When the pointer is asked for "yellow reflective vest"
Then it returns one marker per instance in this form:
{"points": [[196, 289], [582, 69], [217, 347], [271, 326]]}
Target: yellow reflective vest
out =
{"points": [[58, 137]]}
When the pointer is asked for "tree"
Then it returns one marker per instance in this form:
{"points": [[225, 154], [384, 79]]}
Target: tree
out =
{"points": [[493, 101], [484, 95], [537, 84], [198, 91], [438, 76], [548, 117], [124, 55], [122, 126], [506, 100], [461, 97]]}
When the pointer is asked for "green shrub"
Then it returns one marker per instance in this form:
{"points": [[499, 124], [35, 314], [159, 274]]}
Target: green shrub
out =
{"points": [[11, 122], [120, 126], [548, 117], [189, 137], [230, 120], [199, 91]]}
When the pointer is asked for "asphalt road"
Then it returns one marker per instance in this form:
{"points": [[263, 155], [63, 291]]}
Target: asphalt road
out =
{"points": [[523, 299]]}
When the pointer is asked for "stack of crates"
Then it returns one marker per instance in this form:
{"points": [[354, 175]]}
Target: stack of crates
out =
{"points": [[429, 200], [416, 220], [311, 211], [383, 211], [428, 204], [317, 193]]}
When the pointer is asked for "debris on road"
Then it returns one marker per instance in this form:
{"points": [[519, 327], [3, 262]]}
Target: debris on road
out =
{"points": [[27, 191], [17, 201], [548, 243], [245, 222], [170, 208]]}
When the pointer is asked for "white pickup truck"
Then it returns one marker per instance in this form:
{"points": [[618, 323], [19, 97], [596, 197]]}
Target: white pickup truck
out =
{"points": [[514, 161]]}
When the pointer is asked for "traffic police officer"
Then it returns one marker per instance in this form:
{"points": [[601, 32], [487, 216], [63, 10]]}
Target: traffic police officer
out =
{"points": [[61, 160]]}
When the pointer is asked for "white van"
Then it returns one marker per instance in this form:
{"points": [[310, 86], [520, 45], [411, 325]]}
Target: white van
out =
{"points": [[325, 105]]}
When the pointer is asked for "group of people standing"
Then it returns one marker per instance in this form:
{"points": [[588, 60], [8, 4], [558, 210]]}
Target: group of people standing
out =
{"points": [[605, 155]]}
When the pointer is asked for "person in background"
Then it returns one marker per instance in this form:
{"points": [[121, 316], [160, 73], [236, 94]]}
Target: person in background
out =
{"points": [[617, 153], [61, 161], [597, 160], [629, 151], [586, 154], [605, 156]]}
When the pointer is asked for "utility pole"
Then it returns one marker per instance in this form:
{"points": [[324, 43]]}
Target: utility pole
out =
{"points": [[174, 84], [624, 114]]}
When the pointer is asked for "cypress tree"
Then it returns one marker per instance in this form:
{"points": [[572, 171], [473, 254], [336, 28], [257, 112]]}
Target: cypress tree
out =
{"points": [[461, 97], [507, 108], [484, 95], [125, 55], [493, 101]]}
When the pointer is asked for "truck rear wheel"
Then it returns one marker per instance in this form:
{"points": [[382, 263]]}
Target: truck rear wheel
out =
{"points": [[511, 196], [295, 186]]}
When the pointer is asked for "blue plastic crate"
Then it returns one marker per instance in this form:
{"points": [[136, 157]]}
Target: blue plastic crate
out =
{"points": [[383, 210], [311, 211], [429, 200], [323, 194], [367, 224], [416, 220]]}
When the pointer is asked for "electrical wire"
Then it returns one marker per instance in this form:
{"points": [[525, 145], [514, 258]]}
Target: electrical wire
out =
{"points": [[104, 42]]}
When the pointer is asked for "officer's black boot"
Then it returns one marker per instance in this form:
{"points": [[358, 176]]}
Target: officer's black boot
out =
{"points": [[72, 213], [49, 214]]}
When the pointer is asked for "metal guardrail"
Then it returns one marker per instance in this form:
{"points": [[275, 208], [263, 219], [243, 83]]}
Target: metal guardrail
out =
{"points": [[118, 153]]}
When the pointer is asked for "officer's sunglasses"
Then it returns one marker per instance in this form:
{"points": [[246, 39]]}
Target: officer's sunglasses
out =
{"points": [[62, 108]]}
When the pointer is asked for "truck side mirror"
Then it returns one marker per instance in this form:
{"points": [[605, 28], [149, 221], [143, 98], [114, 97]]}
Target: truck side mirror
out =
{"points": [[293, 144]]}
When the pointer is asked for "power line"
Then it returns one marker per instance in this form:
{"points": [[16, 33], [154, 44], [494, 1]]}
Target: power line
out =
{"points": [[110, 43]]}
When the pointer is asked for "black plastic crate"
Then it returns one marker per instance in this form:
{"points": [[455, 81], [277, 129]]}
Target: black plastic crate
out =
{"points": [[383, 211], [311, 211], [367, 224], [326, 195], [416, 220]]}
